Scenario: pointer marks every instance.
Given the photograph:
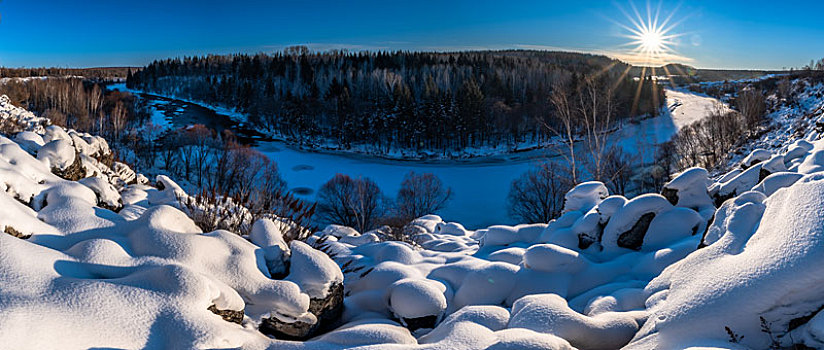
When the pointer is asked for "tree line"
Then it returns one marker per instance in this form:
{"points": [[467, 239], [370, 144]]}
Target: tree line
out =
{"points": [[102, 73], [390, 101], [79, 104]]}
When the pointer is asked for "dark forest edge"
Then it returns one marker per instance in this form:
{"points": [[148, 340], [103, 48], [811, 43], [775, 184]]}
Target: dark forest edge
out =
{"points": [[423, 104], [96, 74]]}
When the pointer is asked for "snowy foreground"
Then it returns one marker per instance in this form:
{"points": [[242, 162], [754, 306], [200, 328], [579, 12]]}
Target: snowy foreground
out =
{"points": [[94, 255]]}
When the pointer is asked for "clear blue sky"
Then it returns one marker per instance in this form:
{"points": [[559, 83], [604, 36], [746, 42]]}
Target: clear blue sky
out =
{"points": [[716, 34]]}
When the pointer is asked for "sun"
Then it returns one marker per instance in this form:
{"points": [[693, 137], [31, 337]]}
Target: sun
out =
{"points": [[652, 40]]}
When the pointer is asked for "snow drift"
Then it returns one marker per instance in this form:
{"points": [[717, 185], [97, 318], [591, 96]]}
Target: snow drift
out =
{"points": [[107, 260]]}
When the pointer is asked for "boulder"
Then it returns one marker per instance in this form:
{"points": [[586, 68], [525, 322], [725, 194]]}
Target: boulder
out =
{"points": [[634, 237], [74, 172], [327, 310]]}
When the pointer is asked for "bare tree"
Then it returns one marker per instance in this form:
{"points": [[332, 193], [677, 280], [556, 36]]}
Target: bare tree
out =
{"points": [[538, 195], [421, 194], [56, 117], [118, 119], [95, 101], [357, 203], [708, 142], [596, 108], [784, 88], [617, 166], [559, 98], [204, 147], [752, 105]]}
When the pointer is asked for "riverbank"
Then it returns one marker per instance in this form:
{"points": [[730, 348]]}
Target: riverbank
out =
{"points": [[480, 185]]}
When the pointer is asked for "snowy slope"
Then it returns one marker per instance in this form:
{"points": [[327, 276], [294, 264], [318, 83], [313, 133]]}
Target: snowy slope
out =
{"points": [[687, 107], [683, 108], [110, 261]]}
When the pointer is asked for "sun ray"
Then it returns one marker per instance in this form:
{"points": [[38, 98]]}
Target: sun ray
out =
{"points": [[638, 91], [654, 88], [606, 69], [669, 76], [621, 77]]}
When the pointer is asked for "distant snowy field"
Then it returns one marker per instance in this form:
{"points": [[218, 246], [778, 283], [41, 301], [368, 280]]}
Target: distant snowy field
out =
{"points": [[480, 186]]}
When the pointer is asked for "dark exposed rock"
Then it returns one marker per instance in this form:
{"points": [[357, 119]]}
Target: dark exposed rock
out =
{"points": [[228, 315], [10, 230], [74, 172], [420, 322], [719, 199], [109, 207], [671, 195], [634, 238], [327, 310], [297, 330], [330, 308], [762, 174], [586, 240], [800, 321], [703, 243], [106, 158]]}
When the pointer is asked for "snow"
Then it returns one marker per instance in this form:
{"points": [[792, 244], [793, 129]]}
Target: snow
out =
{"points": [[638, 137], [90, 277], [313, 270], [549, 313], [776, 181], [658, 271], [266, 234], [413, 298], [29, 141], [687, 107], [105, 192], [753, 270], [624, 218], [689, 188], [757, 155], [585, 196], [57, 154]]}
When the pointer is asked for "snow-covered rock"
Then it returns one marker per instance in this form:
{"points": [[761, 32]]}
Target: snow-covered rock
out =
{"points": [[754, 268], [144, 277], [610, 272], [688, 189], [585, 196], [58, 154]]}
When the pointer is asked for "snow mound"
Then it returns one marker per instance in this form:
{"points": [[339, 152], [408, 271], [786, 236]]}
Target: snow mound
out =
{"points": [[57, 154], [752, 269], [107, 260], [146, 277]]}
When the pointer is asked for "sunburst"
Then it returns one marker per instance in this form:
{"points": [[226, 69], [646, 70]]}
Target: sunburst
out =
{"points": [[652, 38]]}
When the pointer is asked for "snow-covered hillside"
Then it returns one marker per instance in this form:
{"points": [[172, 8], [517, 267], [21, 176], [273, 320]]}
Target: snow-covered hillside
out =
{"points": [[95, 255]]}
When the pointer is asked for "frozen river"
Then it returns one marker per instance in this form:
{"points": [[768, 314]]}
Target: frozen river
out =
{"points": [[479, 188]]}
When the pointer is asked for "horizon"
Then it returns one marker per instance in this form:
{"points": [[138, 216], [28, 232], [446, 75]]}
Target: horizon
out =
{"points": [[735, 35], [398, 50]]}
